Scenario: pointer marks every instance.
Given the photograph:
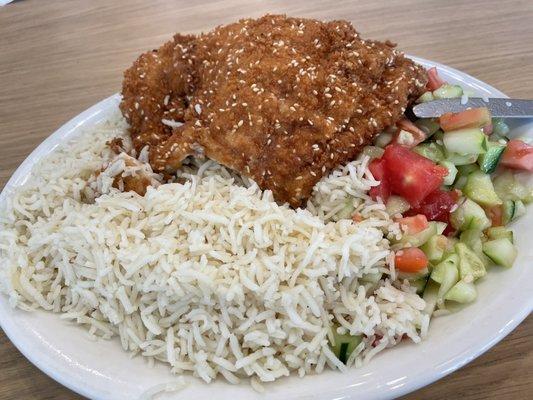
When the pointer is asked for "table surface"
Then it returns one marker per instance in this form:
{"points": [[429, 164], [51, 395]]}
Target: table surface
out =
{"points": [[59, 57]]}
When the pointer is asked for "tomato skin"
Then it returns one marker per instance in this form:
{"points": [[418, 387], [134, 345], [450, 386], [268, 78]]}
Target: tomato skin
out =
{"points": [[411, 175], [411, 259], [377, 167], [518, 155], [434, 80], [414, 224], [472, 118], [437, 205]]}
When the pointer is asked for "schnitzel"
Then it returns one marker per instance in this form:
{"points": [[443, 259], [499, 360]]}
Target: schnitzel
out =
{"points": [[280, 100]]}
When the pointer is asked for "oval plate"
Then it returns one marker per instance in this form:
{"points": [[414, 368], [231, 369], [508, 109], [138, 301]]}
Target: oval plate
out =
{"points": [[101, 370]]}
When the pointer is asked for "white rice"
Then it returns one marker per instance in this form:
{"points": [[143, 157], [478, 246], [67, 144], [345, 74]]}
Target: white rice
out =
{"points": [[210, 275]]}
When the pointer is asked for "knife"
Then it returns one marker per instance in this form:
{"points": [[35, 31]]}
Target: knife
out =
{"points": [[509, 108]]}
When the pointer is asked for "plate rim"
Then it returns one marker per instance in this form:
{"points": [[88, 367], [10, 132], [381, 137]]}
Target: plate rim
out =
{"points": [[100, 110]]}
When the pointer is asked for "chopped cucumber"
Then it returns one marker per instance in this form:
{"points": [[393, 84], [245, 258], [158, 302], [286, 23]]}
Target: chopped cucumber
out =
{"points": [[344, 345], [470, 266], [437, 274], [511, 210], [499, 127], [383, 139], [420, 284], [460, 182], [433, 151], [438, 136], [434, 247], [462, 292], [450, 277], [441, 226], [469, 215], [509, 188], [418, 239], [461, 159], [447, 91], [465, 141], [413, 276], [373, 151], [346, 212], [501, 251], [480, 189], [430, 297], [397, 205], [489, 161], [465, 170], [405, 138], [500, 232], [428, 125], [472, 238], [452, 172], [426, 96]]}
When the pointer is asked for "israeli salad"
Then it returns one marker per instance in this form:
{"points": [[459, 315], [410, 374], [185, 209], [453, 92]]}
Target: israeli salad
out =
{"points": [[451, 184]]}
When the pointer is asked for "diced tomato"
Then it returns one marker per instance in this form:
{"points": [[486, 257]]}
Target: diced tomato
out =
{"points": [[414, 224], [434, 80], [518, 155], [437, 205], [410, 175], [411, 259], [473, 118], [408, 134], [495, 214], [377, 167]]}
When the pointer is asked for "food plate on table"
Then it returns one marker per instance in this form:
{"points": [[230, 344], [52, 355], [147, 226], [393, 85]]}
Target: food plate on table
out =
{"points": [[99, 210]]}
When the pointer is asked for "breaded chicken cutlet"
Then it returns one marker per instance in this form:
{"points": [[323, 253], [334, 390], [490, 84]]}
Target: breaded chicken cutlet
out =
{"points": [[281, 100]]}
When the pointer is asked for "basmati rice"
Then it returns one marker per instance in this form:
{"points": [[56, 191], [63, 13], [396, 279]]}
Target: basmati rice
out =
{"points": [[208, 273]]}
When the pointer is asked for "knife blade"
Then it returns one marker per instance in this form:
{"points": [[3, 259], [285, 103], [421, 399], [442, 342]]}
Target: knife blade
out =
{"points": [[509, 108]]}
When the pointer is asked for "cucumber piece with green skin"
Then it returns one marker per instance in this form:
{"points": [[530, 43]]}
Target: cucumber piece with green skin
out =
{"points": [[466, 170], [511, 210], [433, 151], [373, 151], [344, 345], [397, 205], [413, 276], [437, 136], [500, 251], [383, 139], [428, 125], [462, 292], [471, 267], [469, 215], [450, 277], [447, 91], [500, 232], [434, 248], [465, 141], [418, 239], [479, 188], [499, 127], [489, 161], [420, 284], [430, 297], [509, 188], [452, 172], [460, 182], [461, 159], [426, 96], [437, 274]]}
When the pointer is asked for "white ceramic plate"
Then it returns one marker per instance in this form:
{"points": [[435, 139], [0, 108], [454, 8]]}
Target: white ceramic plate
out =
{"points": [[101, 370]]}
